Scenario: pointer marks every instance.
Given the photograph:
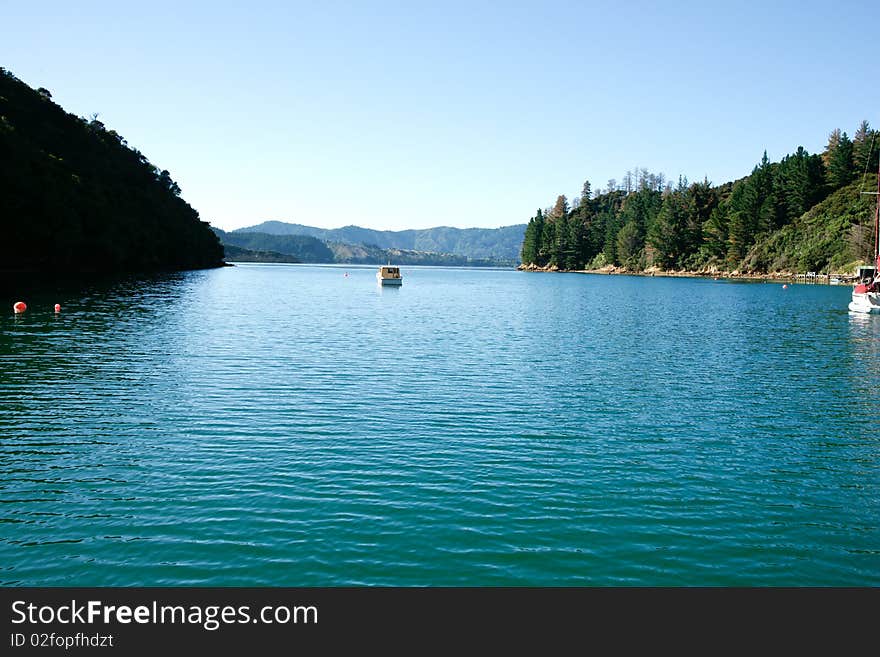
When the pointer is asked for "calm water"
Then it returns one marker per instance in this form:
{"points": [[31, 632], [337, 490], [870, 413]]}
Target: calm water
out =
{"points": [[288, 425]]}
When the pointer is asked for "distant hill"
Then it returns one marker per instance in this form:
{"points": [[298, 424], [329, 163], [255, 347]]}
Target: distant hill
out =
{"points": [[263, 247], [75, 197], [239, 254], [372, 255], [497, 244], [302, 247]]}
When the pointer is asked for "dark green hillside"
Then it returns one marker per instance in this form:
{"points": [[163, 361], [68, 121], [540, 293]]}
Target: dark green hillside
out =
{"points": [[75, 197], [239, 254], [803, 213], [834, 236]]}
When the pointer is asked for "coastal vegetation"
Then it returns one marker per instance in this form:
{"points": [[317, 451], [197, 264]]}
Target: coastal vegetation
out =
{"points": [[75, 197], [803, 213]]}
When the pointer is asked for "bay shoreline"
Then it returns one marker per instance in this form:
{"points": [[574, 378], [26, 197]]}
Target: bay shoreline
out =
{"points": [[716, 274]]}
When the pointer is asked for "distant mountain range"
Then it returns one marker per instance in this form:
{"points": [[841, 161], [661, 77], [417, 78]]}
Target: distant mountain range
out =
{"points": [[243, 246], [499, 245]]}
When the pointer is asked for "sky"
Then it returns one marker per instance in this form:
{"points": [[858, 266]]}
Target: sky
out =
{"points": [[395, 115]]}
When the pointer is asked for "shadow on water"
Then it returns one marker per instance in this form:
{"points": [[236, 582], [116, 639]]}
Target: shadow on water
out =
{"points": [[39, 290]]}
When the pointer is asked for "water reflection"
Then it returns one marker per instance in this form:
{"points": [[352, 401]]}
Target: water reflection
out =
{"points": [[81, 392], [864, 358]]}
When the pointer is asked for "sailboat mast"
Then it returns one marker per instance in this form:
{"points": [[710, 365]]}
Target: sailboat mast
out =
{"points": [[877, 219]]}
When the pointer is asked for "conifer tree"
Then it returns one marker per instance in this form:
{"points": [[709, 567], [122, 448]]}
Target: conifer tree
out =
{"points": [[866, 145], [668, 232], [702, 199], [831, 146], [532, 239], [547, 249], [840, 165], [587, 192], [560, 209], [715, 236], [629, 245]]}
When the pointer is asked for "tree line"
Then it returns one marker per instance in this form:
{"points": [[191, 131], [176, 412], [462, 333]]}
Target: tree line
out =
{"points": [[646, 220]]}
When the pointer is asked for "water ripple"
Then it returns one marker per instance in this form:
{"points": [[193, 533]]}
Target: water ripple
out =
{"points": [[286, 425]]}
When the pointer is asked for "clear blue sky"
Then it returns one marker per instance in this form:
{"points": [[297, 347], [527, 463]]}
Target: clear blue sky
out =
{"points": [[411, 115]]}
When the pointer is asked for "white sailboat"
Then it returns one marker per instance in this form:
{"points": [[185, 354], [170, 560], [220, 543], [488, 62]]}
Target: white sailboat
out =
{"points": [[866, 292]]}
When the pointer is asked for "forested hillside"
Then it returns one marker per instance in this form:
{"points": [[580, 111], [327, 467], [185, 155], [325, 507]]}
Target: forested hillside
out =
{"points": [[75, 197], [803, 213]]}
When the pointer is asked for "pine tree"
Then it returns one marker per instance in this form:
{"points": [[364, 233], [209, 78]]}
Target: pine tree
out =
{"points": [[574, 242], [840, 165], [560, 247], [556, 233], [740, 226], [609, 247], [561, 207], [547, 250], [668, 232], [587, 192], [629, 245], [702, 199], [791, 181], [833, 142], [715, 234], [866, 145], [532, 240]]}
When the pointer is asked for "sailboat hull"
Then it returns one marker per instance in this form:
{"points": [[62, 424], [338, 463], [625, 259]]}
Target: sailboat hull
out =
{"points": [[868, 302]]}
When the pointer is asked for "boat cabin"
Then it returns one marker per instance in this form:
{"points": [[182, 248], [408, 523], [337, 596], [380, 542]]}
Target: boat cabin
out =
{"points": [[389, 275], [866, 274]]}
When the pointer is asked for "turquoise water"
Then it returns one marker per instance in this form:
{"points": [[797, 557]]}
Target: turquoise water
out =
{"points": [[289, 425]]}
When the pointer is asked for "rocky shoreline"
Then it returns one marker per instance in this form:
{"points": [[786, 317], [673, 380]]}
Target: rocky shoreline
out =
{"points": [[711, 272]]}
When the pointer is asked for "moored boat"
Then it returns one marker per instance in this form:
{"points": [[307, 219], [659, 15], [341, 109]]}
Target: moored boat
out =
{"points": [[866, 292], [865, 295], [389, 276]]}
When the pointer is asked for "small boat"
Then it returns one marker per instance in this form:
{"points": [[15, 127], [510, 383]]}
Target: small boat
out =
{"points": [[866, 293], [389, 276]]}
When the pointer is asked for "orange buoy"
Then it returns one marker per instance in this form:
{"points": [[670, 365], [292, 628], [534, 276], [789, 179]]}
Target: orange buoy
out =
{"points": [[785, 287], [19, 307], [57, 307]]}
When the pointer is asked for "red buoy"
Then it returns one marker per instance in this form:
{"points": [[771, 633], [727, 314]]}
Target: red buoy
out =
{"points": [[785, 287], [57, 307], [19, 307]]}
